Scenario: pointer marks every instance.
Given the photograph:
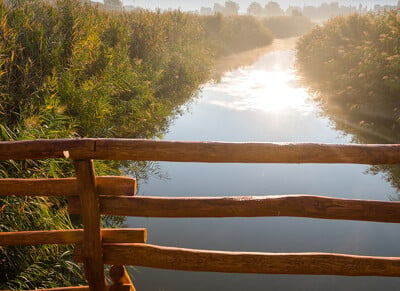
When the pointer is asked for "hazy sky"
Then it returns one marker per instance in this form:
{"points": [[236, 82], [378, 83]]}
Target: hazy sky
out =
{"points": [[195, 5]]}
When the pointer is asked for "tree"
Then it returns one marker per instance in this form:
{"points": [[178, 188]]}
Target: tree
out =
{"points": [[113, 2], [255, 8], [218, 8], [273, 9], [231, 8], [205, 11]]}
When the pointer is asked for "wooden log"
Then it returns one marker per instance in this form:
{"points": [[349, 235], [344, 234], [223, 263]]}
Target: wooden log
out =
{"points": [[152, 256], [74, 236], [78, 288], [82, 288], [248, 206], [122, 287], [106, 185], [211, 152], [41, 237], [92, 252], [124, 235], [120, 277], [43, 148]]}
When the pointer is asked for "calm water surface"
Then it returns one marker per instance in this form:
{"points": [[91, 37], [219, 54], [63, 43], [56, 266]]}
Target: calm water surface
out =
{"points": [[263, 102]]}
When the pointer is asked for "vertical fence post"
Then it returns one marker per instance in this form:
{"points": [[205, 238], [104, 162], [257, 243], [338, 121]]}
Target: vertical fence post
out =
{"points": [[120, 277], [92, 245]]}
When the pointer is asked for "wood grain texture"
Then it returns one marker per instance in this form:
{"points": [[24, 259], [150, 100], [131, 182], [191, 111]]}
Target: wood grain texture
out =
{"points": [[92, 241], [121, 287], [106, 185], [78, 288], [123, 235], [120, 277], [248, 206], [145, 255], [211, 152]]}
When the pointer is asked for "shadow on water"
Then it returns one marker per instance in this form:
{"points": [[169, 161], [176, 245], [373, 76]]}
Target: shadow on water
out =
{"points": [[365, 123]]}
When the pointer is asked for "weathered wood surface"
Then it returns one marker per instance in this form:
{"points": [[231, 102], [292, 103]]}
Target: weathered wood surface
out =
{"points": [[92, 252], [120, 278], [212, 152], [78, 288], [122, 287], [120, 235], [152, 256], [124, 235], [248, 206], [106, 185]]}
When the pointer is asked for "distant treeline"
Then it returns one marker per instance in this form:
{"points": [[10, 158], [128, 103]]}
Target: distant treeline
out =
{"points": [[231, 34], [353, 65], [272, 8]]}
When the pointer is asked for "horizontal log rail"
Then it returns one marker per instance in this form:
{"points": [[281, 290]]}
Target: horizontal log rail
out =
{"points": [[106, 185], [145, 255], [247, 206], [122, 287], [93, 196], [77, 288], [210, 152], [73, 236]]}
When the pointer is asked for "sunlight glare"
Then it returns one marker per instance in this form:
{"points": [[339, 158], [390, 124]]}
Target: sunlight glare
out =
{"points": [[250, 89]]}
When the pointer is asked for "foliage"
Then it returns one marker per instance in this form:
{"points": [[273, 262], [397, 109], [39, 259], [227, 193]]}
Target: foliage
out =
{"points": [[353, 66], [232, 34], [28, 267], [354, 61], [230, 8]]}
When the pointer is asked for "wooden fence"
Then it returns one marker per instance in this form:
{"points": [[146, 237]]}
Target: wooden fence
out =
{"points": [[93, 196]]}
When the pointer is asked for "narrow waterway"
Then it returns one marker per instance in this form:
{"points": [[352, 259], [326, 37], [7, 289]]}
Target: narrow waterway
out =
{"points": [[263, 102]]}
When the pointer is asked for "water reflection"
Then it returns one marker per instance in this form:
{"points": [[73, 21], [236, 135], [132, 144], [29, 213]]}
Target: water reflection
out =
{"points": [[269, 85], [243, 108]]}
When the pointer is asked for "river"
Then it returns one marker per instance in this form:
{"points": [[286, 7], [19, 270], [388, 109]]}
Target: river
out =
{"points": [[263, 102]]}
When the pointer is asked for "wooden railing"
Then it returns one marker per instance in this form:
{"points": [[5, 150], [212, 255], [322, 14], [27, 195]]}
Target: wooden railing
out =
{"points": [[93, 196]]}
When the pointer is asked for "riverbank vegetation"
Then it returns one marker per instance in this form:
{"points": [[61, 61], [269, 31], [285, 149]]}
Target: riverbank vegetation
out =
{"points": [[70, 70], [232, 34], [353, 66]]}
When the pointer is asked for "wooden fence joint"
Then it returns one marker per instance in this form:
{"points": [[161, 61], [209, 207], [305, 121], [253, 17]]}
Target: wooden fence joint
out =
{"points": [[92, 241]]}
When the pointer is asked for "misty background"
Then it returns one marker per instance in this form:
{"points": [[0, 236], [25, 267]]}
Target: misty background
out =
{"points": [[195, 5]]}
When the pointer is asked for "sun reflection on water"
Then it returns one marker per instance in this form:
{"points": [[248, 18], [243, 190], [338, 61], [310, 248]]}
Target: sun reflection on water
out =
{"points": [[269, 85]]}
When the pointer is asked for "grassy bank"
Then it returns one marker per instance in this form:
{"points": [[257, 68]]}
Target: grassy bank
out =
{"points": [[69, 70], [352, 64]]}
